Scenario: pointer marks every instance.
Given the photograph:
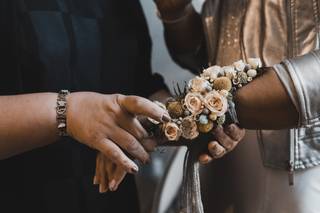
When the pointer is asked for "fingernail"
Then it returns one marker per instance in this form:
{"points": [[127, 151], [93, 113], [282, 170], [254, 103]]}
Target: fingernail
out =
{"points": [[147, 160], [134, 169], [95, 180], [213, 146], [112, 185], [165, 118], [102, 189]]}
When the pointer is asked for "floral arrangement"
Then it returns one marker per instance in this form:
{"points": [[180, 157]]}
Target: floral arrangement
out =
{"points": [[205, 100]]}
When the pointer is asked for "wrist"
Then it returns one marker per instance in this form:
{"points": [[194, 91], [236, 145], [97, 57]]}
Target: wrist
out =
{"points": [[176, 13], [61, 112]]}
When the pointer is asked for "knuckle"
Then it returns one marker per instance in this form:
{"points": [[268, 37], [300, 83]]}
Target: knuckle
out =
{"points": [[135, 100], [132, 146], [228, 145], [119, 97], [115, 157], [219, 152], [221, 137]]}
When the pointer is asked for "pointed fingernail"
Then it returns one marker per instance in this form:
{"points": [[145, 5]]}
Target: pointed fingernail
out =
{"points": [[112, 185], [95, 180], [102, 189], [147, 160], [166, 118], [134, 169]]}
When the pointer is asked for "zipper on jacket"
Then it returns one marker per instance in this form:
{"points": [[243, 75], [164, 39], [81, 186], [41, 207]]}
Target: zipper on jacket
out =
{"points": [[291, 44], [291, 159], [291, 50]]}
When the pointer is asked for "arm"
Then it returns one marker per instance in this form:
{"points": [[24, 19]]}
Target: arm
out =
{"points": [[183, 33], [103, 122], [265, 104], [288, 95], [26, 122]]}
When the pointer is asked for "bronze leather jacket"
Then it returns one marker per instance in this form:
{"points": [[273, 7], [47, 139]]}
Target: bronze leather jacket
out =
{"points": [[277, 31]]}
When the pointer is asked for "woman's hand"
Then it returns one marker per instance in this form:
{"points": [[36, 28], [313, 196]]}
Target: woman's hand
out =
{"points": [[226, 140], [108, 123], [108, 175]]}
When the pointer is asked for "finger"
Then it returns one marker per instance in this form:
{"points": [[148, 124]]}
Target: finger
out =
{"points": [[109, 170], [142, 106], [234, 132], [132, 125], [116, 155], [129, 143], [149, 144], [216, 150], [205, 159], [117, 178], [103, 179], [96, 178], [224, 139]]}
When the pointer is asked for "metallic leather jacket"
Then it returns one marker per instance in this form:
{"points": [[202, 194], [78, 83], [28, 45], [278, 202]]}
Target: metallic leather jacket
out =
{"points": [[284, 34]]}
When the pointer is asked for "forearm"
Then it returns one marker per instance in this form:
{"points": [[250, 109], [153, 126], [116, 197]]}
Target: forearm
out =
{"points": [[26, 122], [265, 104], [183, 30]]}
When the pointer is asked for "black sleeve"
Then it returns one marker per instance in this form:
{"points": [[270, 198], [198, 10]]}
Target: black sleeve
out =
{"points": [[9, 48], [146, 82]]}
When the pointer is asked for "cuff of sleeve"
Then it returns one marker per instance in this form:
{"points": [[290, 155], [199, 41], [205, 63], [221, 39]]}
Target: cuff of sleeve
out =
{"points": [[287, 82], [301, 76]]}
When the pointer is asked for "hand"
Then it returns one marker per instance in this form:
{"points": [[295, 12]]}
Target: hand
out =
{"points": [[226, 140], [171, 7], [108, 123], [108, 175]]}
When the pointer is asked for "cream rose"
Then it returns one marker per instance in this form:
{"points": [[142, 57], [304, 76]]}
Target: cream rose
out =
{"points": [[216, 103], [193, 102], [212, 72], [199, 84], [172, 131]]}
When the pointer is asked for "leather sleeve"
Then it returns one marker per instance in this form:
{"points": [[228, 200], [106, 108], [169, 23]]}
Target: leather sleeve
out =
{"points": [[301, 78]]}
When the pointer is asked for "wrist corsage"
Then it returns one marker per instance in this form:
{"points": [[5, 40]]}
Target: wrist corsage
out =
{"points": [[206, 101]]}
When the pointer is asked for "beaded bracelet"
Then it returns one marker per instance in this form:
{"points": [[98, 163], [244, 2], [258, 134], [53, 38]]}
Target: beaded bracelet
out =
{"points": [[207, 100]]}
